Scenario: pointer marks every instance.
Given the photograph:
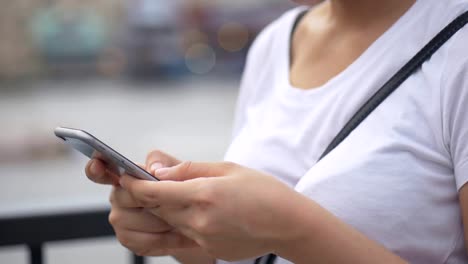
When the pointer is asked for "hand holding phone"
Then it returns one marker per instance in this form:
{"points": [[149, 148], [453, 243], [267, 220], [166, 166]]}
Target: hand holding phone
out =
{"points": [[93, 148]]}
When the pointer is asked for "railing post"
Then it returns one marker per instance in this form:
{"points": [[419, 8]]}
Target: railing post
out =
{"points": [[138, 259], [35, 254]]}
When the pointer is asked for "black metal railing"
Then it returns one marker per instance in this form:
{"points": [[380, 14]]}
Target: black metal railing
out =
{"points": [[35, 231]]}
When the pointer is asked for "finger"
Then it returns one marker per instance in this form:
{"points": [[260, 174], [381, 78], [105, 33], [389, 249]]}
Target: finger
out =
{"points": [[138, 220], [149, 244], [178, 217], [192, 170], [98, 173], [153, 194], [185, 221], [157, 159], [122, 198]]}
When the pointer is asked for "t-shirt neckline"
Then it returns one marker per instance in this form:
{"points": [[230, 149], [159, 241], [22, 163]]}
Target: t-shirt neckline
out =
{"points": [[372, 53]]}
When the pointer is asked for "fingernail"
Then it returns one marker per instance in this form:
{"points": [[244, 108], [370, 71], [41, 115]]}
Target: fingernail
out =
{"points": [[162, 173], [156, 166], [92, 167]]}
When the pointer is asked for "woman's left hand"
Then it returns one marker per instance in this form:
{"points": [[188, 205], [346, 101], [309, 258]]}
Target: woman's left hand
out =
{"points": [[232, 212]]}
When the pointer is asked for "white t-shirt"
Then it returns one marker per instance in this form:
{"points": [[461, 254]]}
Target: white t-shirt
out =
{"points": [[396, 177]]}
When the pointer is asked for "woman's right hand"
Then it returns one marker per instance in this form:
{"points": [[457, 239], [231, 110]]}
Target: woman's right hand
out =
{"points": [[134, 225]]}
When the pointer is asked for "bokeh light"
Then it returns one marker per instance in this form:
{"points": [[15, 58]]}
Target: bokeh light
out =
{"points": [[200, 58], [233, 36]]}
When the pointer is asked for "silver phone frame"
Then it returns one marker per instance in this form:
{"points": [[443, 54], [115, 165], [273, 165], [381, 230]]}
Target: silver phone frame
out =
{"points": [[112, 155]]}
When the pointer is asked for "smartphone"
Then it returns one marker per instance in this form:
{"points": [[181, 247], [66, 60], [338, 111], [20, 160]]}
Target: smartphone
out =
{"points": [[93, 148]]}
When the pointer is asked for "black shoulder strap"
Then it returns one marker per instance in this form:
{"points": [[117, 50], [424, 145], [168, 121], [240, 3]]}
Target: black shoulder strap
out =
{"points": [[401, 76], [388, 88], [298, 20]]}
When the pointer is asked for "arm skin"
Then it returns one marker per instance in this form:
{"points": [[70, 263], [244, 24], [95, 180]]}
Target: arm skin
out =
{"points": [[463, 198], [324, 238]]}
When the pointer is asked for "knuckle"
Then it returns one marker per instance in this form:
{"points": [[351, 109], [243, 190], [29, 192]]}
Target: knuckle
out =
{"points": [[149, 199], [204, 198], [124, 240], [198, 224], [114, 218], [156, 152], [162, 157], [185, 167], [154, 155], [207, 195], [112, 196], [202, 225]]}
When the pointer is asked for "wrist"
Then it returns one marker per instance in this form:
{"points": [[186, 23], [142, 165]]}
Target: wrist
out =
{"points": [[296, 227]]}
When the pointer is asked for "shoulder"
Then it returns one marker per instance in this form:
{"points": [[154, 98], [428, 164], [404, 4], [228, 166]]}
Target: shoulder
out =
{"points": [[447, 12], [455, 52], [452, 59], [454, 93]]}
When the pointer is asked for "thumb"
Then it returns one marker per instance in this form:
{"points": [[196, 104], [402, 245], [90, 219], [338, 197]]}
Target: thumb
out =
{"points": [[191, 170], [157, 159]]}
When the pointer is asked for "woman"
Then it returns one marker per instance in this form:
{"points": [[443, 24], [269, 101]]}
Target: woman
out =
{"points": [[393, 191]]}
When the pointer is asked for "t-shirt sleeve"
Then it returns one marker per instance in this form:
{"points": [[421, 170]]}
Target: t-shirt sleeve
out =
{"points": [[455, 114], [461, 170], [260, 58], [243, 98], [257, 57]]}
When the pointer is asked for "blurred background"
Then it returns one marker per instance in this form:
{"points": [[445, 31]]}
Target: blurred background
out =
{"points": [[138, 74]]}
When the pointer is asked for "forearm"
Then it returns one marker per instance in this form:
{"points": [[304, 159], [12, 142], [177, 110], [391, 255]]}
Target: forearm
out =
{"points": [[193, 256], [320, 236]]}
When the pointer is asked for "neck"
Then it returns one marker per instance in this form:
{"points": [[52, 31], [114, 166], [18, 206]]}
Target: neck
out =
{"points": [[363, 12]]}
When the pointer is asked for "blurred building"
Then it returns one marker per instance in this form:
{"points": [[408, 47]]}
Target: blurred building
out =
{"points": [[76, 37], [17, 55], [138, 38], [36, 34], [56, 44]]}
